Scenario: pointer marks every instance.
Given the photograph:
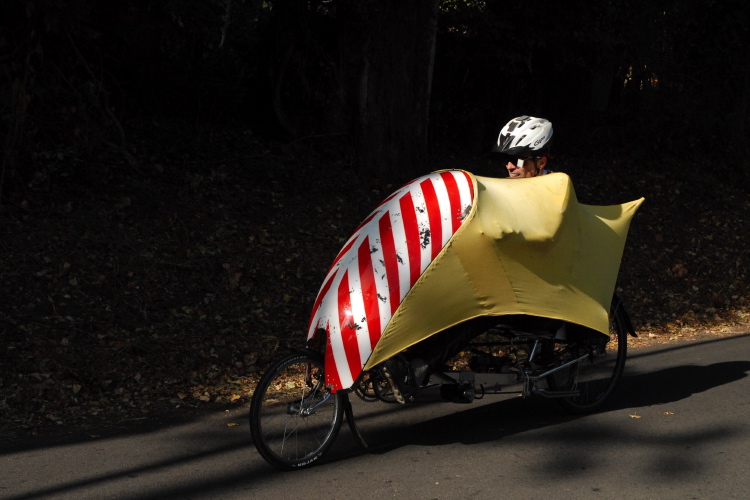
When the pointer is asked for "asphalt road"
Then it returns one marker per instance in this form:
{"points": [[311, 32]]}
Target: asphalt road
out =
{"points": [[678, 427]]}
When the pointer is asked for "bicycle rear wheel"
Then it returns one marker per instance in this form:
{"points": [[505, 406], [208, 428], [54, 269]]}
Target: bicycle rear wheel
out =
{"points": [[594, 377], [294, 418]]}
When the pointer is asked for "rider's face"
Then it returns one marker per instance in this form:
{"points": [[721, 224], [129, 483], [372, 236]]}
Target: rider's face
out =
{"points": [[525, 167]]}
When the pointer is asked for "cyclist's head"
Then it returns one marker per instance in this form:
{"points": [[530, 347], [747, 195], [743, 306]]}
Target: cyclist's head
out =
{"points": [[524, 143]]}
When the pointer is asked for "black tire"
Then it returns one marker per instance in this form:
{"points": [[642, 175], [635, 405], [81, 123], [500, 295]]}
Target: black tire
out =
{"points": [[596, 377], [294, 418]]}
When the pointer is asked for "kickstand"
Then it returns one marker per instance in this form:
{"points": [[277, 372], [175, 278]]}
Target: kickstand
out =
{"points": [[350, 420]]}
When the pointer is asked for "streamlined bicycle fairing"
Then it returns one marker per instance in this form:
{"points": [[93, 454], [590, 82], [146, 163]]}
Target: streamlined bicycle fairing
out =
{"points": [[450, 247]]}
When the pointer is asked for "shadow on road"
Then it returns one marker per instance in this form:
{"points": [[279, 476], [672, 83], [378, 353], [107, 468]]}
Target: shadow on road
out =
{"points": [[490, 422], [230, 461], [674, 384], [495, 421]]}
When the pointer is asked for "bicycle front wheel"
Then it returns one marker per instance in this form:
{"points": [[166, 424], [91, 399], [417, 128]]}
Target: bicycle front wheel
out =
{"points": [[294, 418], [595, 377]]}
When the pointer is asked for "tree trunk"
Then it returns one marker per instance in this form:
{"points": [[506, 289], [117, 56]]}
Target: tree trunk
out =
{"points": [[390, 53]]}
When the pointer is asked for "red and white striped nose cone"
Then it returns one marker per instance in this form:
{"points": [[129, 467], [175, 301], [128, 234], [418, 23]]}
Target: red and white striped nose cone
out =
{"points": [[380, 263]]}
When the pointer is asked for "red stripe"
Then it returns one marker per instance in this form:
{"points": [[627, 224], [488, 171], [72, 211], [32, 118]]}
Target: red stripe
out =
{"points": [[348, 326], [433, 215], [455, 196], [369, 291], [332, 375], [471, 186], [390, 259], [411, 229]]}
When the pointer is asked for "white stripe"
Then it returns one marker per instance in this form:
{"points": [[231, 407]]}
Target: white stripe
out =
{"points": [[444, 203], [399, 243], [423, 223], [381, 282], [464, 189]]}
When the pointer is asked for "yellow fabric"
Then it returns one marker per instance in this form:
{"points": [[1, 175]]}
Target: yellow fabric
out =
{"points": [[527, 247]]}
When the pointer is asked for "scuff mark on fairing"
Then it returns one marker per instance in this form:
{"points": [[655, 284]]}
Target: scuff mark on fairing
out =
{"points": [[424, 237]]}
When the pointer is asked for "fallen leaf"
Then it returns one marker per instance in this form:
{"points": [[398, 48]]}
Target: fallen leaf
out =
{"points": [[635, 415], [679, 270]]}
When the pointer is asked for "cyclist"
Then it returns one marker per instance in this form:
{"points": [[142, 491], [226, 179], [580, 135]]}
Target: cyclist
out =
{"points": [[524, 144]]}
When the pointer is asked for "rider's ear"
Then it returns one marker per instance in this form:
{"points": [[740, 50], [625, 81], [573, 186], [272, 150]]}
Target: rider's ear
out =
{"points": [[541, 162]]}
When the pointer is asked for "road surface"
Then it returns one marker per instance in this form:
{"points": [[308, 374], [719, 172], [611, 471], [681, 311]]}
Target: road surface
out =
{"points": [[678, 428]]}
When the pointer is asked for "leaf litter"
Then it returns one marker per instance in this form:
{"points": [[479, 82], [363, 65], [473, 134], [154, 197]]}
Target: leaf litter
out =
{"points": [[176, 301]]}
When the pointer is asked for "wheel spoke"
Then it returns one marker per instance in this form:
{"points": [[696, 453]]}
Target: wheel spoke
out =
{"points": [[595, 377], [293, 416]]}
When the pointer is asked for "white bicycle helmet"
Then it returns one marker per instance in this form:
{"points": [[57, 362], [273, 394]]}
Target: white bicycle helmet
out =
{"points": [[524, 135]]}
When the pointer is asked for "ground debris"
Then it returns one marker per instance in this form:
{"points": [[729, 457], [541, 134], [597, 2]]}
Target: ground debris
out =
{"points": [[171, 290]]}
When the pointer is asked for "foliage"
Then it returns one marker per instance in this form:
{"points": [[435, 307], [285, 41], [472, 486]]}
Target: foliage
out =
{"points": [[76, 73], [647, 75], [177, 176]]}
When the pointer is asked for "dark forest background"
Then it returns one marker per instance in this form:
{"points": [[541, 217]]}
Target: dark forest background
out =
{"points": [[391, 84], [177, 175]]}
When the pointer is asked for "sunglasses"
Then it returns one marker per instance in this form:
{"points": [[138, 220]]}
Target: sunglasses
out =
{"points": [[518, 161]]}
